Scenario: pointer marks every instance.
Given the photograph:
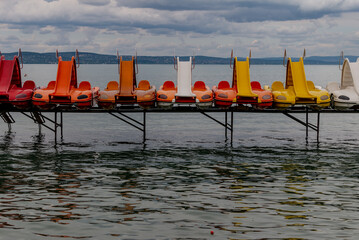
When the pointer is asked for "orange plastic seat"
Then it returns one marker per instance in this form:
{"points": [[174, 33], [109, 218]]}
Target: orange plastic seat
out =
{"points": [[113, 85], [51, 85], [85, 85], [199, 85], [168, 85], [144, 85], [223, 85], [256, 85]]}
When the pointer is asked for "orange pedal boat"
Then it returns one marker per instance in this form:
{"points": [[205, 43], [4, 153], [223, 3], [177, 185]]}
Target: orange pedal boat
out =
{"points": [[224, 94], [11, 89], [64, 90], [166, 94], [184, 93], [126, 92]]}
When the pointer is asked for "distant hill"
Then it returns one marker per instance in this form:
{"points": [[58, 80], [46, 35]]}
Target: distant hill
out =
{"points": [[94, 58]]}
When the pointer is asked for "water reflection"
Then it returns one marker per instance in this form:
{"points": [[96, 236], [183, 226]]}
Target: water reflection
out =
{"points": [[7, 140], [292, 191]]}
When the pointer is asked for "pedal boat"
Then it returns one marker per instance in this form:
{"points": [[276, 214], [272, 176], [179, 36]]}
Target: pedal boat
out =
{"points": [[166, 94], [126, 92], [204, 95], [11, 89], [249, 92], [64, 90], [224, 94], [297, 90], [184, 93], [346, 95]]}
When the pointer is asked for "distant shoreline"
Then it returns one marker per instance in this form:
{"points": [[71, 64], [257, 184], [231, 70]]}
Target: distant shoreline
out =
{"points": [[94, 58]]}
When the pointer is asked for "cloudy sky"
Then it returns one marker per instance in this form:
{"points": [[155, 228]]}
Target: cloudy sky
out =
{"points": [[160, 27]]}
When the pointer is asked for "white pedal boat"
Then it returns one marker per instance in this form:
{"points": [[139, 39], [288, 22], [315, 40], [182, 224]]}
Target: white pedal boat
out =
{"points": [[346, 95]]}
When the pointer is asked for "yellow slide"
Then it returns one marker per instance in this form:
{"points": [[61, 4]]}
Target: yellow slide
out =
{"points": [[297, 89], [241, 78], [296, 78]]}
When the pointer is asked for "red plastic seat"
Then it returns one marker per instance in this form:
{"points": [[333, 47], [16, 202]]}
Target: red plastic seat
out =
{"points": [[199, 85], [168, 85], [29, 85], [256, 85], [223, 85], [85, 85]]}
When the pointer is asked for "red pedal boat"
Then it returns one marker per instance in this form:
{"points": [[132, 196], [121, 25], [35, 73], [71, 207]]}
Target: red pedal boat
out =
{"points": [[11, 89]]}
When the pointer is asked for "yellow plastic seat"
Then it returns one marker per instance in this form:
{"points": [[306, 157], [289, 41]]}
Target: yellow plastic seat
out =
{"points": [[277, 86], [310, 85]]}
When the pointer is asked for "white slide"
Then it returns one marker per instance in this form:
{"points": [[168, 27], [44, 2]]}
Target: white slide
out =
{"points": [[347, 95], [184, 78]]}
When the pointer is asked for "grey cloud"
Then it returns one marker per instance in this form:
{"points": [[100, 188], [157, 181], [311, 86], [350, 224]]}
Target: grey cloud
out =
{"points": [[61, 39], [95, 2], [268, 13], [11, 39], [248, 11], [199, 16]]}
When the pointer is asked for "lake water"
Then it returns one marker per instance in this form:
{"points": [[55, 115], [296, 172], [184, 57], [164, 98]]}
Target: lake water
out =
{"points": [[101, 182]]}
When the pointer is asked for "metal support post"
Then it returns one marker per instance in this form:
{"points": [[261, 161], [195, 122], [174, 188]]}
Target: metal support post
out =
{"points": [[133, 122], [318, 123], [226, 123], [144, 126], [56, 127], [61, 126], [306, 125], [231, 128], [7, 118], [39, 119]]}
